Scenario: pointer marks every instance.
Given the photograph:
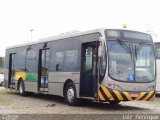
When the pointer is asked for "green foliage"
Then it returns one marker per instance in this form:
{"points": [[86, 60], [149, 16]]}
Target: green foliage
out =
{"points": [[1, 62]]}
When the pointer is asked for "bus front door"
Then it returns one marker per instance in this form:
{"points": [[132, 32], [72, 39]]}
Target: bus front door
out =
{"points": [[89, 72], [43, 70], [11, 71]]}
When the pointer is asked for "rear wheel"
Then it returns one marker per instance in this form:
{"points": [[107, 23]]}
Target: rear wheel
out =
{"points": [[70, 94], [21, 88]]}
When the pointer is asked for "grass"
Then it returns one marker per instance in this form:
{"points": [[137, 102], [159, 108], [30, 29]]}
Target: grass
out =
{"points": [[5, 102], [7, 91]]}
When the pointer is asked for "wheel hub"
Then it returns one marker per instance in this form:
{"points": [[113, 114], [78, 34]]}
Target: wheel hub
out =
{"points": [[21, 88], [70, 94]]}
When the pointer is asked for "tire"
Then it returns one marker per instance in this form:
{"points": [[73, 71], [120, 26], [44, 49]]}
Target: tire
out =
{"points": [[2, 84], [70, 94], [21, 88], [114, 102]]}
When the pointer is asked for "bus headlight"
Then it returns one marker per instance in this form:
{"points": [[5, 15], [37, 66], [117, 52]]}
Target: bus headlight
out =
{"points": [[113, 86], [151, 88]]}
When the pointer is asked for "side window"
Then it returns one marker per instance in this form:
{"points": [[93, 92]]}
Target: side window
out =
{"points": [[56, 62], [31, 59], [59, 58], [71, 59], [52, 60], [72, 54], [20, 59], [157, 51]]}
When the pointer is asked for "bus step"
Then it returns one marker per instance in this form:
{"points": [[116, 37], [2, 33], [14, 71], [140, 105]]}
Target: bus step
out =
{"points": [[44, 89], [12, 83], [12, 86]]}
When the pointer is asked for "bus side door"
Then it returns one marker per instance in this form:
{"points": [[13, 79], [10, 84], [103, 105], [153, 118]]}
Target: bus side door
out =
{"points": [[11, 71], [89, 72], [43, 70]]}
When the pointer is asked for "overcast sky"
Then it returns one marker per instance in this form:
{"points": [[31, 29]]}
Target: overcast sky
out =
{"points": [[51, 17]]}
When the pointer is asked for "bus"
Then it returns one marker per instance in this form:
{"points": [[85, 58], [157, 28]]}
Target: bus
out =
{"points": [[104, 65], [157, 51]]}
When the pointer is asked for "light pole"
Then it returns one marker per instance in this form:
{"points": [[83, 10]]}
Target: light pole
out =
{"points": [[31, 34]]}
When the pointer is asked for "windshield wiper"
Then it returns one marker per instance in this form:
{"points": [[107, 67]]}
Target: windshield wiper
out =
{"points": [[125, 46], [138, 49]]}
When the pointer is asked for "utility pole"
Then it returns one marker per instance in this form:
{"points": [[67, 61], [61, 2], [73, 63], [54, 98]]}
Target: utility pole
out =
{"points": [[31, 34]]}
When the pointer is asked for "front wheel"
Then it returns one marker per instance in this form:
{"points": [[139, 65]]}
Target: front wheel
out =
{"points": [[21, 88], [70, 94], [2, 84]]}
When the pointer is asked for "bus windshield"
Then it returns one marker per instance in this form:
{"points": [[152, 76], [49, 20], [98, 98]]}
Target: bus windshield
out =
{"points": [[134, 64], [120, 61], [144, 63]]}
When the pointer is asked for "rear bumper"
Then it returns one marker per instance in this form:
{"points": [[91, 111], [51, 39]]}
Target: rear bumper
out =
{"points": [[106, 94]]}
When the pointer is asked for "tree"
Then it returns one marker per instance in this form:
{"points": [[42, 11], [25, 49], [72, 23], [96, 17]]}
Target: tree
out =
{"points": [[1, 62]]}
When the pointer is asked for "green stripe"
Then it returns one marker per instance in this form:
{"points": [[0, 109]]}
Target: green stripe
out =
{"points": [[31, 76]]}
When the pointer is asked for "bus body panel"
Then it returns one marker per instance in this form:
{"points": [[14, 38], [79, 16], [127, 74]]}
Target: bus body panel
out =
{"points": [[158, 76], [158, 83], [30, 86], [57, 80], [157, 51], [127, 86]]}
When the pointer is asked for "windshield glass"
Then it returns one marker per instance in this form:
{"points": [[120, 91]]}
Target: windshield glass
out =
{"points": [[131, 62], [120, 61], [144, 62]]}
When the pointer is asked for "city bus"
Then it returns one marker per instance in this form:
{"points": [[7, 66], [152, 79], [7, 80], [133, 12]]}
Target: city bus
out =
{"points": [[103, 65], [157, 51]]}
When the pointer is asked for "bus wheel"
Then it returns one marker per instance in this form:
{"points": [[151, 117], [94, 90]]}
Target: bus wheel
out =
{"points": [[2, 84], [114, 102], [70, 94], [21, 88]]}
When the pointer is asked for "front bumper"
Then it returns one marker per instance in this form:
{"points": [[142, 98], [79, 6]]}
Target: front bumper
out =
{"points": [[106, 94]]}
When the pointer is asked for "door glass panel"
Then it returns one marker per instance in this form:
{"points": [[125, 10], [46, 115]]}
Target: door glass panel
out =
{"points": [[88, 60], [13, 67], [88, 83], [44, 68]]}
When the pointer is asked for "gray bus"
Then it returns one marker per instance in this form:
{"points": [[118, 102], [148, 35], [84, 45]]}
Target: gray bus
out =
{"points": [[106, 65], [157, 51]]}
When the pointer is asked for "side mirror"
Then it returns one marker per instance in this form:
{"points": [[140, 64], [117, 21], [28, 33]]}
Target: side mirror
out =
{"points": [[100, 51], [100, 48]]}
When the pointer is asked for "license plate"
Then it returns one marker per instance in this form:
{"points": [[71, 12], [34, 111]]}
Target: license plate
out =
{"points": [[134, 94]]}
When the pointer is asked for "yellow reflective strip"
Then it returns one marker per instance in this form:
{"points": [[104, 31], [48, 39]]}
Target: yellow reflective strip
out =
{"points": [[149, 95], [20, 75], [127, 95], [140, 96], [100, 95], [118, 95], [106, 91], [152, 98]]}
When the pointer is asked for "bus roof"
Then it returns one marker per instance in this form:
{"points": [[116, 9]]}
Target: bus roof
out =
{"points": [[67, 35], [58, 37]]}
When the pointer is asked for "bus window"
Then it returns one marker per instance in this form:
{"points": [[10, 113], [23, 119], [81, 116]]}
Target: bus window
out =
{"points": [[157, 51], [71, 60], [88, 56], [59, 61]]}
